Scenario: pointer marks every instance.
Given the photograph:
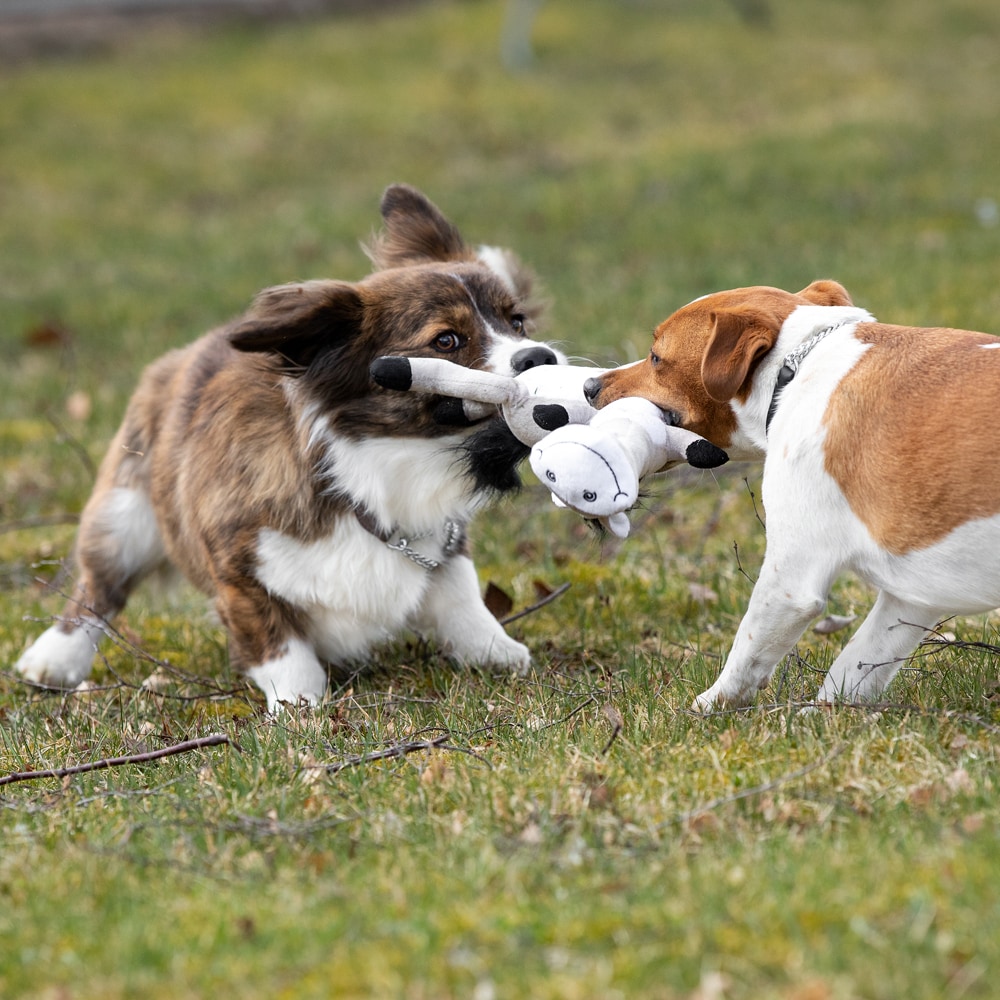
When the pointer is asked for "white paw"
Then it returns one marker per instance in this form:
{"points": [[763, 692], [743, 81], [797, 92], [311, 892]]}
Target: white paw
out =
{"points": [[295, 676], [704, 703], [500, 653], [60, 659]]}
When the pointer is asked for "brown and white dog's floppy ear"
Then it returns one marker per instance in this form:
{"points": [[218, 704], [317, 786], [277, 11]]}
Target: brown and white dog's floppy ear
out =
{"points": [[827, 293], [297, 321], [415, 232], [740, 339]]}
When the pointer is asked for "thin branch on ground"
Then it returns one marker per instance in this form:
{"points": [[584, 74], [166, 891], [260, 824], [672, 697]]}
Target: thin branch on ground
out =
{"points": [[74, 443], [216, 739], [547, 599], [402, 749]]}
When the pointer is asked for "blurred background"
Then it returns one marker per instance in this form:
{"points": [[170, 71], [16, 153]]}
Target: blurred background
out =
{"points": [[162, 161]]}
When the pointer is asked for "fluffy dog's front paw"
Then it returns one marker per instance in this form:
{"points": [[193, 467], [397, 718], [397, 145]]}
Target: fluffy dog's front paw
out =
{"points": [[510, 655]]}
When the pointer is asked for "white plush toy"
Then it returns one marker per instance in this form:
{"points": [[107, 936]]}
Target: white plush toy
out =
{"points": [[475, 395], [595, 468], [591, 460]]}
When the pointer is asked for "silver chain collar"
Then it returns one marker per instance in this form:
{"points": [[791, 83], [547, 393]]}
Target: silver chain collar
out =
{"points": [[791, 362], [454, 536]]}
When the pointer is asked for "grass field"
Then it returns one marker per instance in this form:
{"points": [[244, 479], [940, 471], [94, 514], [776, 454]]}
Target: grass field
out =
{"points": [[434, 835]]}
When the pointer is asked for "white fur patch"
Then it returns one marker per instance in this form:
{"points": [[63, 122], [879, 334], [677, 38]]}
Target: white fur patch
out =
{"points": [[356, 592], [60, 659], [127, 521], [498, 261], [294, 676], [407, 482]]}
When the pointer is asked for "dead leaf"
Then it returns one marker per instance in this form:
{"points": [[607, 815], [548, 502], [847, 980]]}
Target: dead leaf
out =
{"points": [[614, 716], [713, 986], [542, 589], [499, 602], [973, 823], [436, 773], [960, 782], [531, 834], [832, 623], [48, 334], [78, 406], [699, 592]]}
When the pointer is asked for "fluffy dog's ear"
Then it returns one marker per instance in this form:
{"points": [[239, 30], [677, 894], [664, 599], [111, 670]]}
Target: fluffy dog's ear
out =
{"points": [[740, 339], [827, 293], [415, 232], [296, 322]]}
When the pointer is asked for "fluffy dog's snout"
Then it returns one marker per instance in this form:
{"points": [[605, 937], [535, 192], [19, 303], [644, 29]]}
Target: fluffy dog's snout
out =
{"points": [[532, 357]]}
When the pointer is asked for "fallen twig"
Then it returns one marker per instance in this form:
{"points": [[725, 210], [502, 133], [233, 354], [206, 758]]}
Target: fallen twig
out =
{"points": [[136, 758], [547, 599], [396, 750]]}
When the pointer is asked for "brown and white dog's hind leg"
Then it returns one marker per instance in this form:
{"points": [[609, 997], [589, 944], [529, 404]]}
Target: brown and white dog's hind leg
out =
{"points": [[454, 612], [117, 546], [883, 642]]}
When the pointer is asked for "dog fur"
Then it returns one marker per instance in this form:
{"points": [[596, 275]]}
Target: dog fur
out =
{"points": [[323, 514], [877, 461]]}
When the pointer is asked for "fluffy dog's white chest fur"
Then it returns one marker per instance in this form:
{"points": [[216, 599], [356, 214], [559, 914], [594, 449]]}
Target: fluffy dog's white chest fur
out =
{"points": [[355, 590]]}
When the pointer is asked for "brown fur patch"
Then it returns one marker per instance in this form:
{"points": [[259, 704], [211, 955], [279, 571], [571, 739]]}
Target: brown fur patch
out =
{"points": [[905, 433]]}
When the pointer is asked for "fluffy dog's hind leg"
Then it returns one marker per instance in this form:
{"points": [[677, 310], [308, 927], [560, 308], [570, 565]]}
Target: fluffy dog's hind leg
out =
{"points": [[118, 544]]}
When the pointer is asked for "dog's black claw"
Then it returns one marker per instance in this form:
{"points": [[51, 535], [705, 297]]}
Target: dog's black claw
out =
{"points": [[392, 372], [451, 413], [703, 454], [550, 416]]}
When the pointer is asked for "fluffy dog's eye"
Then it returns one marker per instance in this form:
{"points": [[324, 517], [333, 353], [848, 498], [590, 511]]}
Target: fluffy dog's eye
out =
{"points": [[447, 341], [517, 323], [654, 359]]}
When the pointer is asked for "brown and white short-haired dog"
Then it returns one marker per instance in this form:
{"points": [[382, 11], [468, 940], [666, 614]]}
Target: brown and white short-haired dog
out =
{"points": [[877, 460], [323, 514]]}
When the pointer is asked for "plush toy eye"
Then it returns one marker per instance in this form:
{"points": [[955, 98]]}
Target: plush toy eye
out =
{"points": [[550, 475], [517, 323], [589, 495], [447, 341]]}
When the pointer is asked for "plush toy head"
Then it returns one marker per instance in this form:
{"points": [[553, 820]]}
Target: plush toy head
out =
{"points": [[595, 468]]}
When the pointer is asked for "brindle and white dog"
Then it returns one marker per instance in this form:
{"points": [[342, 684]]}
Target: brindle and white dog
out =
{"points": [[323, 514]]}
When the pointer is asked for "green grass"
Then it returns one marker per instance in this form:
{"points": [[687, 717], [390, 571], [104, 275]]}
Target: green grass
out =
{"points": [[653, 152]]}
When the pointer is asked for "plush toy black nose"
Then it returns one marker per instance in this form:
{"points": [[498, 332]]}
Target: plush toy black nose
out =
{"points": [[532, 357], [591, 388]]}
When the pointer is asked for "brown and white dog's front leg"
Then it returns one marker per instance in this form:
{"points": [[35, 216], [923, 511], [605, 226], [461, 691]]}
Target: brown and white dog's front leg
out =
{"points": [[778, 614], [454, 611], [266, 643]]}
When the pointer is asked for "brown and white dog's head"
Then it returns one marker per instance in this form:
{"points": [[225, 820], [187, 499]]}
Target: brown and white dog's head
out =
{"points": [[431, 295], [704, 358]]}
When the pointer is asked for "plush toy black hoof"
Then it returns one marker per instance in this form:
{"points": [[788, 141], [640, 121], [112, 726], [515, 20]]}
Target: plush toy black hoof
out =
{"points": [[392, 373], [704, 455]]}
